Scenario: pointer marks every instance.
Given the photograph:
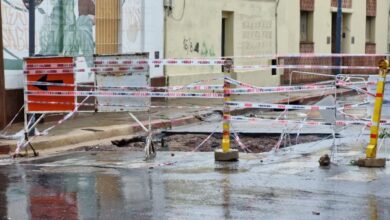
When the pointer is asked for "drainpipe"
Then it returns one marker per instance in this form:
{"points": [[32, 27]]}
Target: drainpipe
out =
{"points": [[3, 117], [31, 24], [338, 34], [167, 11], [276, 26], [31, 47]]}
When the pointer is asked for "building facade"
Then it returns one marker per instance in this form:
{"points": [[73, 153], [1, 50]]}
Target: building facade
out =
{"points": [[266, 27], [364, 26], [190, 29], [219, 28], [77, 28]]}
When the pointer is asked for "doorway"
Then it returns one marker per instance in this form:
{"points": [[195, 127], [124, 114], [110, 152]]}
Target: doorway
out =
{"points": [[345, 33], [227, 38]]}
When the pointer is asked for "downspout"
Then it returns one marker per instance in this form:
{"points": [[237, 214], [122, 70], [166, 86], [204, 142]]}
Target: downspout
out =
{"points": [[275, 60], [338, 34], [31, 25], [276, 26], [31, 47], [166, 11], [3, 117]]}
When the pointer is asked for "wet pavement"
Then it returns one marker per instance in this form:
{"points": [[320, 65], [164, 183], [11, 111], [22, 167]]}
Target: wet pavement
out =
{"points": [[120, 185]]}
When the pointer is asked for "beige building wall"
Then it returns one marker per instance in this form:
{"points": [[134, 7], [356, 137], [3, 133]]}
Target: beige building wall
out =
{"points": [[196, 32], [357, 28], [260, 27], [381, 28], [354, 26], [322, 23], [288, 23]]}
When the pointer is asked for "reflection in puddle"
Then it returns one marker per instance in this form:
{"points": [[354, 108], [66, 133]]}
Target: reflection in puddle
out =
{"points": [[3, 196], [77, 195], [373, 206]]}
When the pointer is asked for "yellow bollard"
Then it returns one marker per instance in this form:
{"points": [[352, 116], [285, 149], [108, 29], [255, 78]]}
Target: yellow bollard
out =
{"points": [[226, 118], [376, 117], [371, 151]]}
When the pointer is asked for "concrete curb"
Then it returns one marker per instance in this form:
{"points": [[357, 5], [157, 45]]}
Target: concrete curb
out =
{"points": [[80, 135]]}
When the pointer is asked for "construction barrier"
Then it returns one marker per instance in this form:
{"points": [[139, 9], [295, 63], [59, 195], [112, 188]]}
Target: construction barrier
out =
{"points": [[122, 83]]}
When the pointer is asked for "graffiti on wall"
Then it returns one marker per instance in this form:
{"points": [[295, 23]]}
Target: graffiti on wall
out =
{"points": [[61, 28], [15, 33], [203, 49], [65, 31], [257, 35]]}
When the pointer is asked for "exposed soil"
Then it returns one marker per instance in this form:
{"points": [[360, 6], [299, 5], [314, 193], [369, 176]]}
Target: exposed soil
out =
{"points": [[190, 142]]}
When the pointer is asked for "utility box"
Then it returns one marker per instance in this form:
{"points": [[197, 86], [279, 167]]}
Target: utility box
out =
{"points": [[119, 75]]}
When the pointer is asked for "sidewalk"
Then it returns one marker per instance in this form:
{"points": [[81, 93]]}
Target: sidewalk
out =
{"points": [[87, 128]]}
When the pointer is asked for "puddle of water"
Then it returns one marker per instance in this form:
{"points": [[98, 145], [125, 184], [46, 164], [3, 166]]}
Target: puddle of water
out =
{"points": [[4, 162], [245, 189]]}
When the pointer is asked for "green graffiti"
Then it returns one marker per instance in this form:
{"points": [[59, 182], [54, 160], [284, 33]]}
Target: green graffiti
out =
{"points": [[194, 47], [63, 33], [207, 51]]}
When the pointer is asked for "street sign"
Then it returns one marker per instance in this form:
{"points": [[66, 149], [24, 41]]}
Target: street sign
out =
{"points": [[45, 74]]}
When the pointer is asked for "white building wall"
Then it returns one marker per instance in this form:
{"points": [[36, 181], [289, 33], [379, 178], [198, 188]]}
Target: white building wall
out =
{"points": [[142, 29]]}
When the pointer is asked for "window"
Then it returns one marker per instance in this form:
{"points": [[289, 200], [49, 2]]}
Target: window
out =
{"points": [[306, 26], [370, 30]]}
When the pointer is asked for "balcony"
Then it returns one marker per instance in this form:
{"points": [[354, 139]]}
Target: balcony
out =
{"points": [[307, 5], [345, 4]]}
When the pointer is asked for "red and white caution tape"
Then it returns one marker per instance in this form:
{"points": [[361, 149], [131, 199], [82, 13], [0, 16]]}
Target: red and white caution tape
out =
{"points": [[280, 89], [278, 106], [122, 105], [124, 94], [163, 62], [306, 123], [352, 106], [191, 62], [48, 71], [49, 66], [250, 89], [266, 67], [23, 143], [175, 88]]}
